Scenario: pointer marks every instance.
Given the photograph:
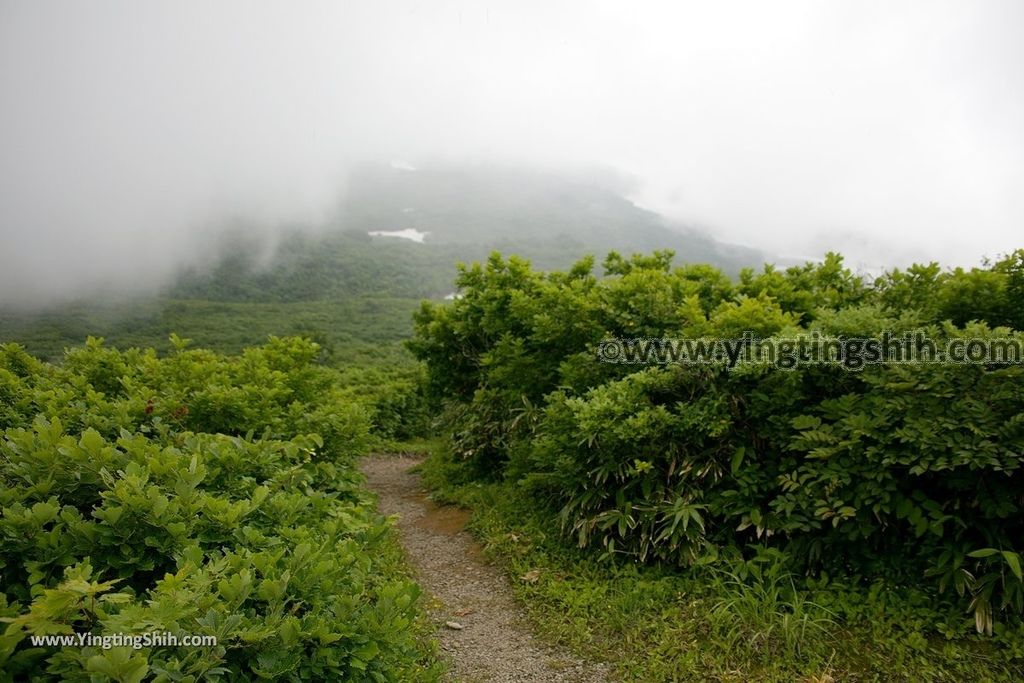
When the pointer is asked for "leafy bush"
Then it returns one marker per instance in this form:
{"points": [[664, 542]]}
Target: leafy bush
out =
{"points": [[194, 494], [905, 471]]}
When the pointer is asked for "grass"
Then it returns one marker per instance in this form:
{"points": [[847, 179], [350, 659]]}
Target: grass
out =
{"points": [[748, 621]]}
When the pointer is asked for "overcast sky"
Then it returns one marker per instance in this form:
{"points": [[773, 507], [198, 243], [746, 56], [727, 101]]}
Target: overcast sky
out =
{"points": [[889, 130]]}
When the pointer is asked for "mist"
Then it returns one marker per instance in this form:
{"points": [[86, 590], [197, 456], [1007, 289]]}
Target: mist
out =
{"points": [[130, 131]]}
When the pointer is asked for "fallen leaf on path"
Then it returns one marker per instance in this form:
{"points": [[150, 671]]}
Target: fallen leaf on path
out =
{"points": [[462, 612], [454, 625]]}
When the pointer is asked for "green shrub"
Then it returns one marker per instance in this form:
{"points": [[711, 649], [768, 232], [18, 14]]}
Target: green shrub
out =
{"points": [[194, 494], [911, 472]]}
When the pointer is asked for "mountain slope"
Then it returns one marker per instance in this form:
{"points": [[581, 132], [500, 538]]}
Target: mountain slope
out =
{"points": [[465, 213], [353, 291]]}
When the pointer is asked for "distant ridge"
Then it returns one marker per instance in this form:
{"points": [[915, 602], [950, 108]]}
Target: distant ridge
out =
{"points": [[466, 212]]}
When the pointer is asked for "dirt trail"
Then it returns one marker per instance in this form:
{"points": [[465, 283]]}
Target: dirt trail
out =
{"points": [[494, 643]]}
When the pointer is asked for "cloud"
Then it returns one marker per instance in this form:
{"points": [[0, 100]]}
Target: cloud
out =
{"points": [[127, 128]]}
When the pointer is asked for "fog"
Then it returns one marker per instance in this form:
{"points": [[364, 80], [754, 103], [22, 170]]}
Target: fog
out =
{"points": [[890, 131]]}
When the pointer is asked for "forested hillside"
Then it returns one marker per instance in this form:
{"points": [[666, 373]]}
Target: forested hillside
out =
{"points": [[340, 285], [462, 214]]}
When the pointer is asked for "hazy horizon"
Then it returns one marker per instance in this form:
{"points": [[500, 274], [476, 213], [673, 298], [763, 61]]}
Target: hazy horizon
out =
{"points": [[887, 131]]}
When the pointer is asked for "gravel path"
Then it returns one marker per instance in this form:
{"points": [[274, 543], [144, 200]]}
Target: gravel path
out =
{"points": [[494, 643]]}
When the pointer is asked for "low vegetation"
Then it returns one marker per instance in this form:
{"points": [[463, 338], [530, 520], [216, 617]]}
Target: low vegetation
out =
{"points": [[346, 330], [196, 494], [701, 522], [819, 518]]}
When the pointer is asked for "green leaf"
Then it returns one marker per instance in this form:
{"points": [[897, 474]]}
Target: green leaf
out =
{"points": [[805, 422], [290, 631], [737, 459], [1013, 559], [119, 664]]}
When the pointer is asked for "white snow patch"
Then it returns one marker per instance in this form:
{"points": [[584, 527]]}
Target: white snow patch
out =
{"points": [[407, 234]]}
